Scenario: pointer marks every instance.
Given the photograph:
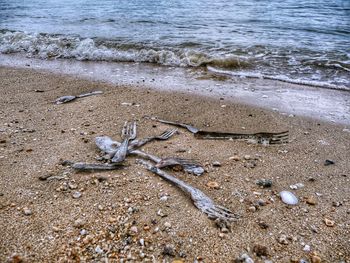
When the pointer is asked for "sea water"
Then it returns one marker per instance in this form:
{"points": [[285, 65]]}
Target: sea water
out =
{"points": [[300, 41]]}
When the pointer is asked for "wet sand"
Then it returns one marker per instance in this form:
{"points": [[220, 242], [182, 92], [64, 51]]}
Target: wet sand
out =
{"points": [[123, 214]]}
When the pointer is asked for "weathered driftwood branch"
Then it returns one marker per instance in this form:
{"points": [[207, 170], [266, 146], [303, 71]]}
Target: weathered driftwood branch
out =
{"points": [[65, 99], [200, 200], [109, 146]]}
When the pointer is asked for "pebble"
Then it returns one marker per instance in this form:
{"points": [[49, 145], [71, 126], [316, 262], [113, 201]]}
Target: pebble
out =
{"points": [[235, 158], [296, 186], [98, 250], [164, 198], [167, 224], [283, 240], [315, 259], [216, 163], [213, 185], [288, 198], [244, 258], [134, 229], [247, 157], [265, 183], [168, 250], [260, 250], [142, 242], [329, 222], [328, 162], [27, 211], [252, 209], [76, 194], [79, 223], [307, 248], [311, 200]]}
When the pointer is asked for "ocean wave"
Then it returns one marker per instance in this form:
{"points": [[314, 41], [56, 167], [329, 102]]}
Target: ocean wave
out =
{"points": [[319, 84], [56, 46], [294, 66]]}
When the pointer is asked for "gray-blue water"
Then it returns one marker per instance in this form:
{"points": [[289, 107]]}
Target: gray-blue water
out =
{"points": [[291, 40]]}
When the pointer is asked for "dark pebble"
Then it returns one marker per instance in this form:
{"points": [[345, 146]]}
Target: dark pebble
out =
{"points": [[328, 162]]}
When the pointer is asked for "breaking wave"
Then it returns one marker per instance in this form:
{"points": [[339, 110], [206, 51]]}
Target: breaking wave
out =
{"points": [[46, 46], [252, 62]]}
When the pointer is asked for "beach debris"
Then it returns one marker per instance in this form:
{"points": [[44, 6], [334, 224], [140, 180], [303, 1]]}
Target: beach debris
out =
{"points": [[200, 200], [329, 222], [163, 136], [128, 133], [108, 146], [311, 200], [328, 162], [213, 185], [244, 258], [260, 250], [96, 166], [65, 99], [264, 138], [296, 186], [265, 183], [288, 198]]}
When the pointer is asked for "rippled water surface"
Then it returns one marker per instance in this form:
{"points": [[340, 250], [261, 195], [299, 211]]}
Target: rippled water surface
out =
{"points": [[298, 41]]}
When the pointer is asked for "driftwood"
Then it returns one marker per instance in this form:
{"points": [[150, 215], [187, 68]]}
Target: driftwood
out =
{"points": [[264, 138], [65, 99], [200, 200], [108, 146]]}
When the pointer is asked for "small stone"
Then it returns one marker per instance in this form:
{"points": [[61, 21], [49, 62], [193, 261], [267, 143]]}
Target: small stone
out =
{"points": [[27, 211], [252, 209], [265, 183], [244, 258], [134, 229], [235, 158], [168, 250], [247, 157], [315, 259], [167, 225], [178, 261], [72, 186], [329, 222], [79, 223], [164, 198], [262, 224], [283, 240], [260, 250], [142, 242], [336, 204], [307, 248], [100, 207], [98, 250], [328, 162], [311, 200], [217, 164], [76, 194], [213, 185]]}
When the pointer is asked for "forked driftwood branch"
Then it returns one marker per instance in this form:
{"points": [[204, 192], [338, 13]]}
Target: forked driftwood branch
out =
{"points": [[200, 200], [264, 138]]}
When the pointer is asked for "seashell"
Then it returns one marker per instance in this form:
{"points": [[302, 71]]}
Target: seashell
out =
{"points": [[288, 198]]}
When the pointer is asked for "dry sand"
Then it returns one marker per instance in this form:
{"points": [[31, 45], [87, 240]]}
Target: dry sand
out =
{"points": [[121, 215]]}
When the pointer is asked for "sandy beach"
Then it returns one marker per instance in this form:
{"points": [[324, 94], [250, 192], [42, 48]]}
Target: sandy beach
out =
{"points": [[134, 215]]}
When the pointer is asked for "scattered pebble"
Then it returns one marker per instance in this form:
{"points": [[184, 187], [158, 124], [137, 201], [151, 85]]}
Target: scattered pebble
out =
{"points": [[247, 157], [328, 162], [315, 259], [307, 248], [311, 200], [244, 258], [167, 225], [213, 185], [79, 223], [296, 186], [265, 183], [168, 250], [76, 194], [134, 229], [252, 209], [329, 222], [27, 211], [216, 163], [288, 198], [260, 250], [235, 158], [283, 240]]}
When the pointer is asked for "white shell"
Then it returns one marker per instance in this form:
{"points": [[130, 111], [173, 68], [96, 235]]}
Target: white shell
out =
{"points": [[288, 198]]}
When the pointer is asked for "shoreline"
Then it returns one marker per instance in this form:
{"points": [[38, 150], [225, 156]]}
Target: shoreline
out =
{"points": [[45, 220], [288, 99]]}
